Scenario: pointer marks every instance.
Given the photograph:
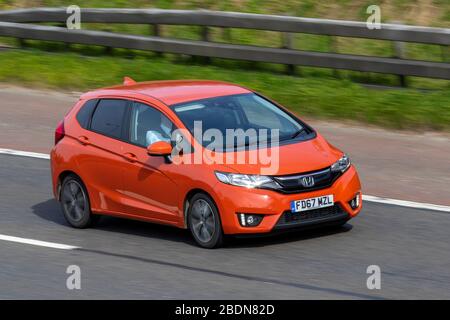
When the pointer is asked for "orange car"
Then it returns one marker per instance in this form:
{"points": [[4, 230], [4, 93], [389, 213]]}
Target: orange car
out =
{"points": [[213, 157]]}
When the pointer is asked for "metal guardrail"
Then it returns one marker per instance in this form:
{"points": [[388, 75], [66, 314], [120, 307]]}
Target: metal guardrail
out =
{"points": [[15, 25], [342, 28]]}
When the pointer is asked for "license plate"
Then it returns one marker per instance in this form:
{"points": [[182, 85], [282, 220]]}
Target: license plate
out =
{"points": [[312, 203]]}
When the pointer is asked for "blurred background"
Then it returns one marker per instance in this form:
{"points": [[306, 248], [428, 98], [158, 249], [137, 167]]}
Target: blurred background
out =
{"points": [[317, 92]]}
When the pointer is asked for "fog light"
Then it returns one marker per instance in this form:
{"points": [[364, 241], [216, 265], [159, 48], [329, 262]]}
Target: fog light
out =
{"points": [[250, 220], [354, 203]]}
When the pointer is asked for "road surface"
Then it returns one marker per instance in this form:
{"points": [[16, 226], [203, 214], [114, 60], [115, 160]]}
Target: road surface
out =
{"points": [[135, 260]]}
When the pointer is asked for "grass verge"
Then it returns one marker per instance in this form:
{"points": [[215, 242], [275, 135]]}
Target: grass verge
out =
{"points": [[320, 97]]}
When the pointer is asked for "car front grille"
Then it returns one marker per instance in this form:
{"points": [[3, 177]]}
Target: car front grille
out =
{"points": [[293, 183], [311, 217]]}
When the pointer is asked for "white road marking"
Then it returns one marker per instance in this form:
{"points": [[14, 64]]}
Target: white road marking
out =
{"points": [[409, 204], [396, 202], [24, 153], [37, 242]]}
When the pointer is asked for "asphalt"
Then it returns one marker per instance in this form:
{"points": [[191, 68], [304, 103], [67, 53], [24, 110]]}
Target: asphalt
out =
{"points": [[135, 260]]}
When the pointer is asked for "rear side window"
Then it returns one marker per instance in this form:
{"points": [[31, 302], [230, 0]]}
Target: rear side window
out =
{"points": [[84, 115], [108, 117]]}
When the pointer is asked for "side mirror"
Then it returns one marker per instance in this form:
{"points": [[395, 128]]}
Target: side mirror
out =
{"points": [[160, 148]]}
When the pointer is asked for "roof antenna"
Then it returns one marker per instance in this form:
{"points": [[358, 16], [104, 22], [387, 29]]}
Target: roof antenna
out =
{"points": [[127, 81]]}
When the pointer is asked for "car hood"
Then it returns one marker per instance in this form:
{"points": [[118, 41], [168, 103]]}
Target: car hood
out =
{"points": [[303, 156]]}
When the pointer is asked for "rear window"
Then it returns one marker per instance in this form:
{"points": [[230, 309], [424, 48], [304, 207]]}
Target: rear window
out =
{"points": [[108, 117], [85, 113]]}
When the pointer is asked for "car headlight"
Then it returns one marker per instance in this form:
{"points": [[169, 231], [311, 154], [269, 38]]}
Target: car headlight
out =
{"points": [[247, 180], [341, 165]]}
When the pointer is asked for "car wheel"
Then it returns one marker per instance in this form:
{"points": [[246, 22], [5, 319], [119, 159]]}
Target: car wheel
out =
{"points": [[204, 222], [75, 203]]}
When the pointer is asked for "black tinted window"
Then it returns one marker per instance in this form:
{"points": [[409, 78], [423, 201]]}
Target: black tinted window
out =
{"points": [[108, 117], [85, 112]]}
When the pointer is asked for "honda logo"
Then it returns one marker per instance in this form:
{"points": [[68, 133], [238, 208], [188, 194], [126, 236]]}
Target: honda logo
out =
{"points": [[307, 181]]}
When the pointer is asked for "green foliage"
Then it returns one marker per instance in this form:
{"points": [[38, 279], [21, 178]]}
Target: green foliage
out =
{"points": [[321, 97], [316, 93]]}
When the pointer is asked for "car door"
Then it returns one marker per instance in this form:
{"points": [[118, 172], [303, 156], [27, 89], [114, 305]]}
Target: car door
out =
{"points": [[149, 191], [101, 161]]}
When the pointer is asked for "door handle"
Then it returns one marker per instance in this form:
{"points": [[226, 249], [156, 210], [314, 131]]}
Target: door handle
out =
{"points": [[130, 157], [84, 140]]}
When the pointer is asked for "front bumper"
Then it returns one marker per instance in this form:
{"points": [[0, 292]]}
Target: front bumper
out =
{"points": [[312, 218], [276, 206]]}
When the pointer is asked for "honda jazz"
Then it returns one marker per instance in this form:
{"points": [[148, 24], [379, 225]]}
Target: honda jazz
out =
{"points": [[212, 157]]}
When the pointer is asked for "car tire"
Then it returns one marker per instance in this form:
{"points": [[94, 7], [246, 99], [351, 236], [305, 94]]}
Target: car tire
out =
{"points": [[75, 203], [204, 222]]}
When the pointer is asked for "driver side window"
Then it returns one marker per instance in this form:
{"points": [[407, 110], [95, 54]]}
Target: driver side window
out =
{"points": [[148, 125]]}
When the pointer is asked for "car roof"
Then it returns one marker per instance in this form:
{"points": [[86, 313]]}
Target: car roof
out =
{"points": [[172, 91]]}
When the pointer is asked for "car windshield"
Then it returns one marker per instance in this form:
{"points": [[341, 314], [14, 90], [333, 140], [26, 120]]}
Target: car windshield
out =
{"points": [[243, 120]]}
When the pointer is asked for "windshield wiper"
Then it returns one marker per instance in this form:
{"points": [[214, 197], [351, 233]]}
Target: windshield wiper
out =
{"points": [[297, 133]]}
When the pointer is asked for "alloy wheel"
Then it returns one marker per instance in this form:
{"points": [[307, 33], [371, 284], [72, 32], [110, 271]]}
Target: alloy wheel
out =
{"points": [[203, 221], [74, 200]]}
